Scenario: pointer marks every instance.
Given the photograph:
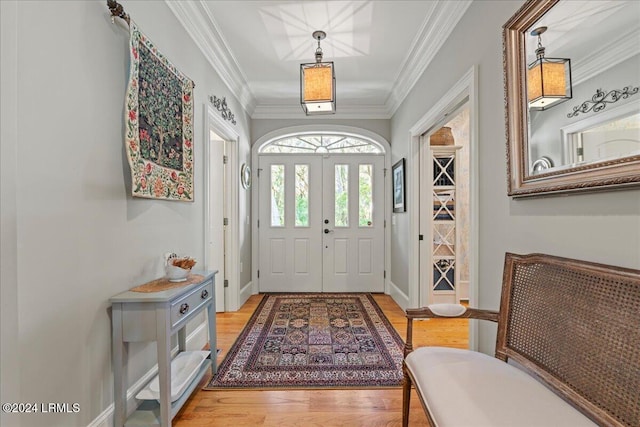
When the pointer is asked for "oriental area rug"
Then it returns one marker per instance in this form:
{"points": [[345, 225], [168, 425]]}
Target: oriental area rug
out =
{"points": [[300, 341]]}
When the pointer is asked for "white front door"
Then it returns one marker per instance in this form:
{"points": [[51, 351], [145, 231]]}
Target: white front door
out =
{"points": [[353, 224], [321, 223], [290, 223]]}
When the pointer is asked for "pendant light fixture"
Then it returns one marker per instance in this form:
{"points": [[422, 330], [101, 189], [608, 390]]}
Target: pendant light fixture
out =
{"points": [[318, 83], [548, 79]]}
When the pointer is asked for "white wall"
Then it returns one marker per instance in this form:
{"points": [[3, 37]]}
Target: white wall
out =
{"points": [[72, 236], [9, 313], [602, 227]]}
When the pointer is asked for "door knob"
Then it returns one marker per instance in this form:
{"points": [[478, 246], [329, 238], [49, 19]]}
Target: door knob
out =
{"points": [[326, 221], [327, 231]]}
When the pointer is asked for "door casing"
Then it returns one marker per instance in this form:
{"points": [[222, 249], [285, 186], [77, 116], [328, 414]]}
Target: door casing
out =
{"points": [[224, 130], [465, 88], [315, 128]]}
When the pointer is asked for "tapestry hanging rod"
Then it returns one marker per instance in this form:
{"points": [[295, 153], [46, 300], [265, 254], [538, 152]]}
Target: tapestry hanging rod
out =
{"points": [[117, 11]]}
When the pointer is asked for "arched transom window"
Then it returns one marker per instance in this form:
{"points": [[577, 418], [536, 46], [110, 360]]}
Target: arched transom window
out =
{"points": [[321, 144]]}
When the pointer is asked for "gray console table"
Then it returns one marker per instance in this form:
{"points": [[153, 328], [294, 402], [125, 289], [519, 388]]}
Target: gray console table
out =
{"points": [[157, 316]]}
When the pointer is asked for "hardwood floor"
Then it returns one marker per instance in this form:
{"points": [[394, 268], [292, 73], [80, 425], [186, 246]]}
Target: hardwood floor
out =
{"points": [[309, 408]]}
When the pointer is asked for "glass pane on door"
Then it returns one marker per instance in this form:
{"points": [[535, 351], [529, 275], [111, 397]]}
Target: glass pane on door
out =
{"points": [[277, 195], [302, 195], [341, 195], [365, 196]]}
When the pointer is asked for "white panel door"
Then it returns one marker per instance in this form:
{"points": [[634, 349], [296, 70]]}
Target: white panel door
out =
{"points": [[290, 223], [217, 213], [353, 223]]}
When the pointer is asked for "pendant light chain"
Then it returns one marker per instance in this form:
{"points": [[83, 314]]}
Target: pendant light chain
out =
{"points": [[540, 49], [319, 51]]}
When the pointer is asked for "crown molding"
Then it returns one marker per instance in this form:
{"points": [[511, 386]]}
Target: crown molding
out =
{"points": [[197, 20], [278, 111], [200, 24], [608, 56], [434, 32]]}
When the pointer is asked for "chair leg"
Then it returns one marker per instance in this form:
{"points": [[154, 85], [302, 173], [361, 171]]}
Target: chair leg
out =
{"points": [[406, 397]]}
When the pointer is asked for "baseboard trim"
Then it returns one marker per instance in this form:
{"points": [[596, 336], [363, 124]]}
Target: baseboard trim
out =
{"points": [[245, 292], [199, 337], [195, 341], [398, 296], [464, 290]]}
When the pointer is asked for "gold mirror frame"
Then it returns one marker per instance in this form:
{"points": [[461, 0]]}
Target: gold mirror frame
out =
{"points": [[612, 174]]}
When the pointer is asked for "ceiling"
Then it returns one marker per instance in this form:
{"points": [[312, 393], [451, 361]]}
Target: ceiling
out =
{"points": [[379, 48]]}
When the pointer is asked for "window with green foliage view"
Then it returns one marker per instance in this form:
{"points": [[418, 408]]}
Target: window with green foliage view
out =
{"points": [[277, 195], [365, 199], [302, 195], [342, 195]]}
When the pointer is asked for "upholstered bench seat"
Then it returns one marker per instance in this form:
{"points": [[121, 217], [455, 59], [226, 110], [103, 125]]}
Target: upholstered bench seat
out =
{"points": [[467, 388], [567, 338]]}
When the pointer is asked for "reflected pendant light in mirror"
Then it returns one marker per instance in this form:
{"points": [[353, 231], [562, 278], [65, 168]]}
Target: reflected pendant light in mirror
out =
{"points": [[318, 83], [548, 79]]}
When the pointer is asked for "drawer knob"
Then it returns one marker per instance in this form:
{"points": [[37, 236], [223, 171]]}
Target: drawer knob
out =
{"points": [[184, 308], [204, 294]]}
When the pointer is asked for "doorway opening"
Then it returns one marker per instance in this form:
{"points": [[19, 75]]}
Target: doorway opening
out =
{"points": [[423, 174], [321, 223], [221, 219], [445, 210]]}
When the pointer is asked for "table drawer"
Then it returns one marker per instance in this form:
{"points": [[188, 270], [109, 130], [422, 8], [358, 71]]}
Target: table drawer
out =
{"points": [[187, 306]]}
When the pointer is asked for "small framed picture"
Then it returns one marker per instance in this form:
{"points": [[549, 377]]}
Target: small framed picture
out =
{"points": [[398, 187]]}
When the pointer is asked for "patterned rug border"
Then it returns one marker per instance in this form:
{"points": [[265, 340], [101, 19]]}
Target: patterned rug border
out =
{"points": [[228, 359]]}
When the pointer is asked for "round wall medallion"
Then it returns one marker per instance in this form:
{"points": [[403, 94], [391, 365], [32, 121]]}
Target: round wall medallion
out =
{"points": [[245, 176]]}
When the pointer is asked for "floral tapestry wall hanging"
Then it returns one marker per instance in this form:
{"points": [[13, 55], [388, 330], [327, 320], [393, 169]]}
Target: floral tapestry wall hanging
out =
{"points": [[159, 124]]}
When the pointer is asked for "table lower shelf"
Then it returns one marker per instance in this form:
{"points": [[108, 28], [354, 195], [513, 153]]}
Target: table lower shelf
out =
{"points": [[148, 413]]}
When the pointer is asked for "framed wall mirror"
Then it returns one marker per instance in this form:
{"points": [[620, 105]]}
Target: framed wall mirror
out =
{"points": [[572, 97]]}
